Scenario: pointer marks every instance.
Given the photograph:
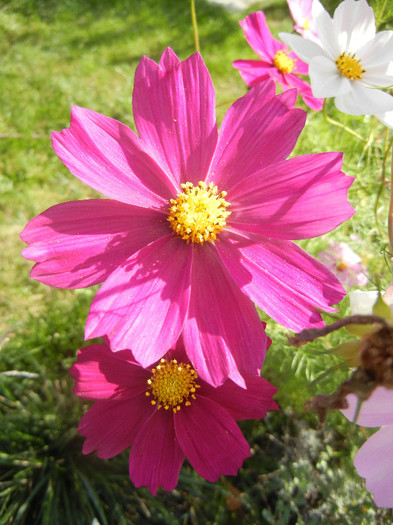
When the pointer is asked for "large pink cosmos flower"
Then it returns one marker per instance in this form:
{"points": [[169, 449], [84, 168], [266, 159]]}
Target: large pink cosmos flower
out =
{"points": [[276, 62], [154, 244], [374, 461], [165, 414]]}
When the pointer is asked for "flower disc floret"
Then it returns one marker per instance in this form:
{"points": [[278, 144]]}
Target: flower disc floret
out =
{"points": [[349, 66], [283, 62], [172, 384], [199, 214]]}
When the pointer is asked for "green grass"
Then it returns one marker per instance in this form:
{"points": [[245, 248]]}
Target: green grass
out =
{"points": [[54, 54]]}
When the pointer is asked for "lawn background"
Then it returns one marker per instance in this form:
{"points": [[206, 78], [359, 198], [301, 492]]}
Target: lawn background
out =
{"points": [[52, 55]]}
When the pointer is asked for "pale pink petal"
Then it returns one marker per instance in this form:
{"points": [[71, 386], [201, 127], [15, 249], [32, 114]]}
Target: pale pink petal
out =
{"points": [[354, 24], [253, 71], [259, 37], [251, 402], [109, 157], [210, 439], [102, 374], [374, 462], [222, 334], [376, 411], [156, 457], [362, 100], [282, 279], [111, 426], [326, 81], [258, 130], [143, 303], [288, 200], [79, 243], [174, 112]]}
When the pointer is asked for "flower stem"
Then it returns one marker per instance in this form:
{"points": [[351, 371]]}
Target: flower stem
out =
{"points": [[339, 125], [195, 26], [389, 291]]}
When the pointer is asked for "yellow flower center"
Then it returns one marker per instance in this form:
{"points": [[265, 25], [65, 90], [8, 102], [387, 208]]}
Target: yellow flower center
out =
{"points": [[198, 214], [341, 266], [172, 384], [283, 62], [306, 24], [349, 66]]}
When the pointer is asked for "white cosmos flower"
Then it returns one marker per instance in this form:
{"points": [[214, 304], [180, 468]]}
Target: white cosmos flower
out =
{"points": [[351, 60]]}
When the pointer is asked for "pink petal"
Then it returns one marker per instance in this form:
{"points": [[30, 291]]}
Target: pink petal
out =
{"points": [[305, 92], [282, 279], [251, 402], [374, 462], [109, 157], [102, 374], [289, 199], [174, 112], [143, 303], [79, 243], [223, 334], [210, 439], [156, 457], [259, 37], [111, 426], [253, 71], [376, 411], [258, 130]]}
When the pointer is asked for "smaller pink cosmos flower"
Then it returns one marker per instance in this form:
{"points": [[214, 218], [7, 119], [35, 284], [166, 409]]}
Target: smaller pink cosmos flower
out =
{"points": [[374, 461], [301, 12], [165, 413], [345, 264], [276, 62]]}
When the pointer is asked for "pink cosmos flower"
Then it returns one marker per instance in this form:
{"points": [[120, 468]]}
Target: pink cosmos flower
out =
{"points": [[198, 224], [301, 12], [374, 460], [276, 62], [344, 263], [165, 413]]}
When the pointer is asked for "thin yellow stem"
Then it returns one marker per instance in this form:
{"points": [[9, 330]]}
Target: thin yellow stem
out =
{"points": [[195, 26], [341, 126]]}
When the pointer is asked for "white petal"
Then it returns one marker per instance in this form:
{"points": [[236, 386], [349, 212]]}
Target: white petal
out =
{"points": [[386, 118], [325, 30], [377, 59], [326, 81], [364, 101], [354, 24], [361, 303], [304, 49], [379, 50], [378, 76]]}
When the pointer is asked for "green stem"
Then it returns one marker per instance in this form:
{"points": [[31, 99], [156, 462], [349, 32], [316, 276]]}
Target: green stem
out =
{"points": [[389, 291], [339, 125], [195, 26]]}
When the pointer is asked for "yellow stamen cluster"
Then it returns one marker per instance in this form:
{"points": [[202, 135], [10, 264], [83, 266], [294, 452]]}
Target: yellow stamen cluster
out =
{"points": [[283, 62], [172, 384], [306, 24], [198, 214], [341, 266], [349, 66]]}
